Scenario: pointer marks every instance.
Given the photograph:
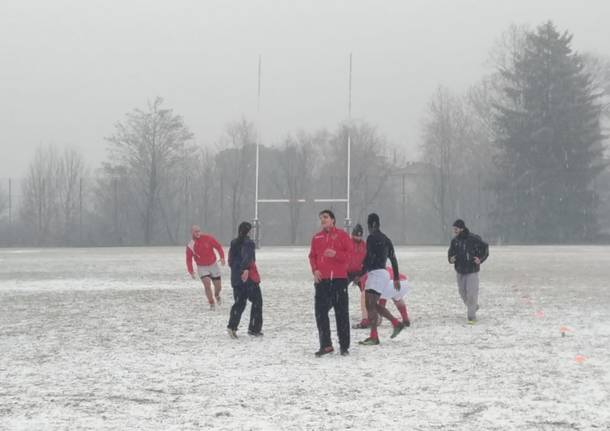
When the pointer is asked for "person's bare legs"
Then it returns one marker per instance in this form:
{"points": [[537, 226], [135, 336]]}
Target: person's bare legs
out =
{"points": [[217, 289], [363, 310], [398, 326], [401, 306], [382, 310], [207, 286], [371, 308]]}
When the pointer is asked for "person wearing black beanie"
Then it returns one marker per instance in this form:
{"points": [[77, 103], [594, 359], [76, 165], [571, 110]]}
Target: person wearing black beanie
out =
{"points": [[245, 281], [467, 252]]}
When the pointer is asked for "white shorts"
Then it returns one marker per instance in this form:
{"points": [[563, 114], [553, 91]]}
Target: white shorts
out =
{"points": [[396, 295], [377, 280], [212, 271]]}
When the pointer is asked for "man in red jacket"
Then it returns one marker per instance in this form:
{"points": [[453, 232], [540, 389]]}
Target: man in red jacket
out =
{"points": [[204, 249], [328, 257]]}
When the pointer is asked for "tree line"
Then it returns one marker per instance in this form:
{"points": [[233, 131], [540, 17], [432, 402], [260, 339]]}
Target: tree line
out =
{"points": [[520, 155]]}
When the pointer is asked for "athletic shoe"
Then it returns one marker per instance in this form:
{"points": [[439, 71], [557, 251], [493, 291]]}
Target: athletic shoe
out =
{"points": [[471, 322], [344, 352], [406, 323], [399, 327], [232, 333], [255, 334], [324, 351], [363, 324], [369, 342]]}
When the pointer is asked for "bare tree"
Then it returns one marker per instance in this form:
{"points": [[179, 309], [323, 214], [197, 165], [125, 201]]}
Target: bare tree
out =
{"points": [[39, 208], [3, 201], [479, 104], [51, 195], [370, 169], [114, 212], [508, 47], [191, 197], [236, 165], [598, 69], [70, 174], [447, 146], [149, 146], [293, 175]]}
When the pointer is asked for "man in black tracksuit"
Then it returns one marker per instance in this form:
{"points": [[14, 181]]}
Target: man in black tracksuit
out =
{"points": [[466, 252], [379, 249], [245, 281]]}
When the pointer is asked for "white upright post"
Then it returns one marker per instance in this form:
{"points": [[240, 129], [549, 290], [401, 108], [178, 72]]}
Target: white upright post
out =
{"points": [[348, 221], [255, 222]]}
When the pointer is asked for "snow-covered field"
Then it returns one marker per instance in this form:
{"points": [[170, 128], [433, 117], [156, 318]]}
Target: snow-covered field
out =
{"points": [[121, 339]]}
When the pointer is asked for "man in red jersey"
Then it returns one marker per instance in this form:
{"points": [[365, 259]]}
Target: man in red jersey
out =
{"points": [[206, 251], [328, 257]]}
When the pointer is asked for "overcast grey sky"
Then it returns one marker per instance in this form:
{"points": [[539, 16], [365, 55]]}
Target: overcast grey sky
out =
{"points": [[70, 69]]}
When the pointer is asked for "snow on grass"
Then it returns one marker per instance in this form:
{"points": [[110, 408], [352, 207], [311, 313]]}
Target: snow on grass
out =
{"points": [[121, 338]]}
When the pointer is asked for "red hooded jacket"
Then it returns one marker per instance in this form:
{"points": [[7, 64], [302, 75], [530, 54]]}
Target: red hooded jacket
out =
{"points": [[202, 250], [330, 267], [356, 258]]}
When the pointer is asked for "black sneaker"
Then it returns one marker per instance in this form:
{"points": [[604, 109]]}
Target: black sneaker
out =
{"points": [[370, 341], [324, 351], [406, 323], [363, 324], [344, 352], [255, 334], [397, 329]]}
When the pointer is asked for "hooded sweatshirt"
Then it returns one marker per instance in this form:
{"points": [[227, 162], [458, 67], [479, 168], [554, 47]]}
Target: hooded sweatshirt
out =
{"points": [[242, 256], [356, 258]]}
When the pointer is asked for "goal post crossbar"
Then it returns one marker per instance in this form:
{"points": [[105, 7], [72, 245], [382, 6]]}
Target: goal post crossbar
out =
{"points": [[256, 221], [285, 201]]}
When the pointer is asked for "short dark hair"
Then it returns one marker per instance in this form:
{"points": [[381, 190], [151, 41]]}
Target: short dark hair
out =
{"points": [[373, 221], [244, 229], [459, 223], [329, 212]]}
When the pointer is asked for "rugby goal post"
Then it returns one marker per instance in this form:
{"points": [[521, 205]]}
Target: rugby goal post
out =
{"points": [[258, 200]]}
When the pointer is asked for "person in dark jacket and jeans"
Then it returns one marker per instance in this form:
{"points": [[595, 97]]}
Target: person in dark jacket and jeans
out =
{"points": [[467, 252], [245, 281], [328, 257]]}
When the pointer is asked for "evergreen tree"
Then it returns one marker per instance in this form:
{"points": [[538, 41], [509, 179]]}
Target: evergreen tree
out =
{"points": [[550, 142]]}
